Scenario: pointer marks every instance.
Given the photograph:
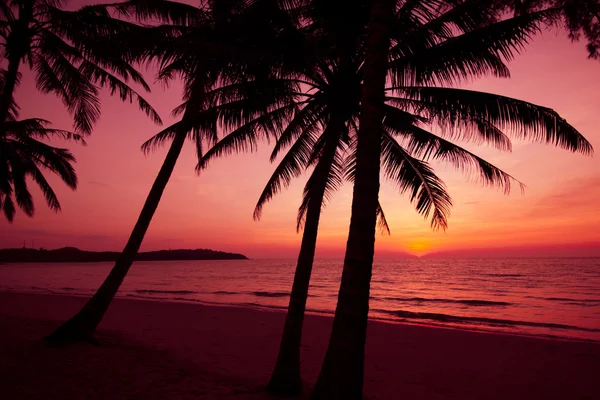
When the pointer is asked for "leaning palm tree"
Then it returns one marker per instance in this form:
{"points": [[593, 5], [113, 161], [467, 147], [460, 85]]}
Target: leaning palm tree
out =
{"points": [[24, 156], [205, 47], [69, 55], [451, 55]]}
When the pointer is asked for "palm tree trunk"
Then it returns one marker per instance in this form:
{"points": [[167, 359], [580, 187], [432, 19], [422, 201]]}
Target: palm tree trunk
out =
{"points": [[10, 83], [286, 379], [16, 49], [341, 375], [83, 325]]}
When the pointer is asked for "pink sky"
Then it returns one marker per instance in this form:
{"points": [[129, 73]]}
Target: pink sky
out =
{"points": [[214, 210]]}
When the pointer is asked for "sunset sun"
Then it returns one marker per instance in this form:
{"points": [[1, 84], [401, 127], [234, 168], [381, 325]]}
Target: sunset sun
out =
{"points": [[419, 246]]}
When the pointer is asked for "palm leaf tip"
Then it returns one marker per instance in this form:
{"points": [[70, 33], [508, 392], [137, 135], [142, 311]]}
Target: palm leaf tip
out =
{"points": [[382, 223]]}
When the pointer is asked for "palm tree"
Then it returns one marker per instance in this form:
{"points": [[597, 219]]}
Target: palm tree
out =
{"points": [[216, 50], [69, 55], [23, 156], [449, 58], [322, 111], [331, 106]]}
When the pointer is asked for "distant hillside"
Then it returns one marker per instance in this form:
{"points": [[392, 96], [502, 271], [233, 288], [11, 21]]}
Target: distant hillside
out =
{"points": [[72, 254]]}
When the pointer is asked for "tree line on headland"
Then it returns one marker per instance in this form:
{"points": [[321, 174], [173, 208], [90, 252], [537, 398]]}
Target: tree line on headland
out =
{"points": [[350, 91], [72, 254]]}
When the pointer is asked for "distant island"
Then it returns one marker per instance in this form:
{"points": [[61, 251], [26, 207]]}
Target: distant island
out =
{"points": [[72, 254]]}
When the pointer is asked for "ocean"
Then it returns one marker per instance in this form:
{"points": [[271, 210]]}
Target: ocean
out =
{"points": [[541, 297]]}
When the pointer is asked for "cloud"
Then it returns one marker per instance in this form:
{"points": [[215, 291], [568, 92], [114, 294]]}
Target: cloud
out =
{"points": [[97, 183]]}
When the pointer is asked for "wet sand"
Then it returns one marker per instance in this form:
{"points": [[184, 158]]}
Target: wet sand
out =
{"points": [[169, 350]]}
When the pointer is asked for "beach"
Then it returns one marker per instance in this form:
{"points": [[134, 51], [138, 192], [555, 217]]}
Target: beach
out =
{"points": [[179, 350]]}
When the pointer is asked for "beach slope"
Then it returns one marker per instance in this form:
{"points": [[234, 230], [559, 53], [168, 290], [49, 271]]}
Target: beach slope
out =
{"points": [[159, 350]]}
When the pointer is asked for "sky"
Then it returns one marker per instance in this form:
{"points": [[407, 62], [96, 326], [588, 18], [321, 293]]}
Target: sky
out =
{"points": [[557, 215]]}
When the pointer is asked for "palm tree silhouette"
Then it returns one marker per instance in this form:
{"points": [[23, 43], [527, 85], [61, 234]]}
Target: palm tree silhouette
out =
{"points": [[443, 57], [226, 73], [70, 55], [23, 156], [323, 134]]}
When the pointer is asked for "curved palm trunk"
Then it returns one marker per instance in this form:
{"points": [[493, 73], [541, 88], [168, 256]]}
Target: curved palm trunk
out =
{"points": [[16, 49], [10, 83], [341, 375], [82, 326], [286, 379]]}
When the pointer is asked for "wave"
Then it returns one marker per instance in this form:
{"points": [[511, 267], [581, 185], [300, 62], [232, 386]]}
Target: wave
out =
{"points": [[504, 275], [481, 320], [566, 299], [270, 294], [257, 293], [469, 302], [151, 291]]}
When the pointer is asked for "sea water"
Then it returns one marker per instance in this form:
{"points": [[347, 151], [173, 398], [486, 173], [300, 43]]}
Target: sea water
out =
{"points": [[544, 297]]}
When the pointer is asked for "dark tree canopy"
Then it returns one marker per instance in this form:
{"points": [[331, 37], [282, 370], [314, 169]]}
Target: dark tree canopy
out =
{"points": [[581, 18]]}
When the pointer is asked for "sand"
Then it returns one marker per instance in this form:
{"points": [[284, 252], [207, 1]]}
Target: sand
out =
{"points": [[170, 350]]}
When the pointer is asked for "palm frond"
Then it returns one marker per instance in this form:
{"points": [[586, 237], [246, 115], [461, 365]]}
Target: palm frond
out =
{"points": [[159, 139], [57, 160], [423, 24], [427, 146], [21, 192], [104, 78], [6, 14], [78, 93], [470, 55], [49, 195], [246, 137], [165, 11], [416, 177], [46, 79], [37, 128], [292, 165], [522, 119], [307, 118], [22, 156], [453, 124], [8, 207], [382, 223]]}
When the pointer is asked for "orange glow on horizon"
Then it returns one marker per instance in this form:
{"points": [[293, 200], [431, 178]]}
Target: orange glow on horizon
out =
{"points": [[418, 246]]}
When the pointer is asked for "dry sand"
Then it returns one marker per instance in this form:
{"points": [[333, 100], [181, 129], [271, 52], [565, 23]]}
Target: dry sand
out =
{"points": [[162, 350]]}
